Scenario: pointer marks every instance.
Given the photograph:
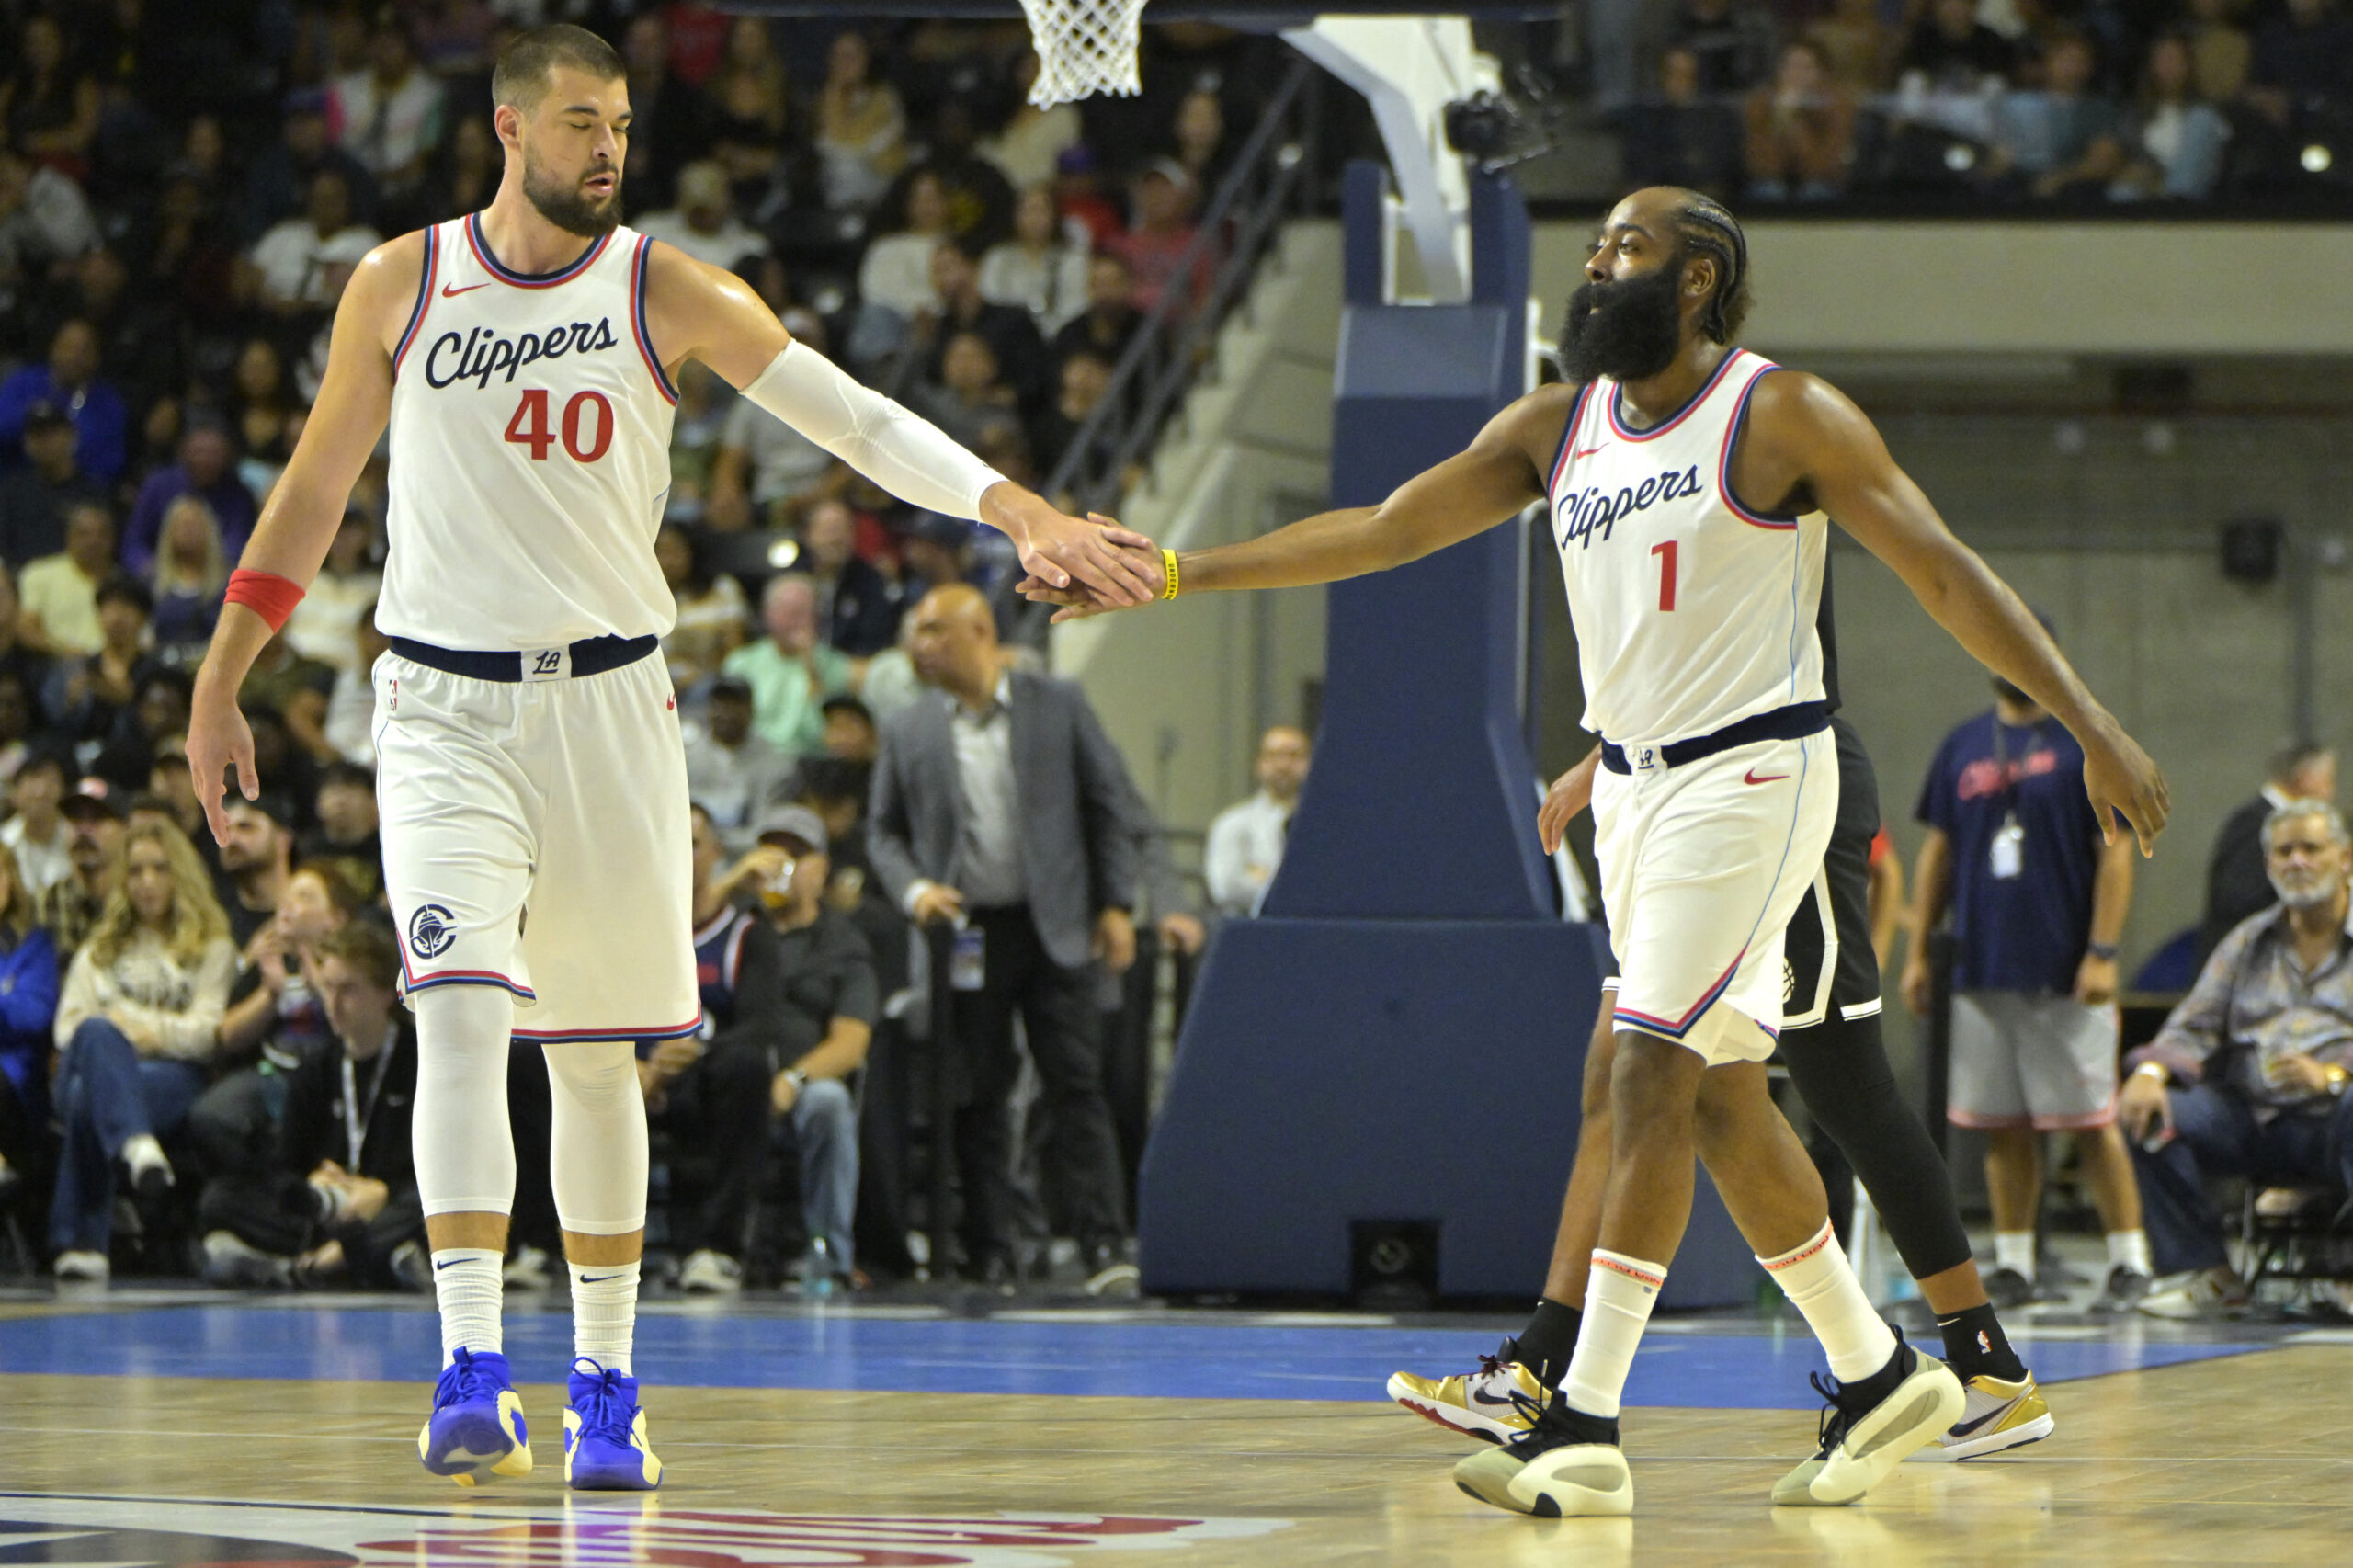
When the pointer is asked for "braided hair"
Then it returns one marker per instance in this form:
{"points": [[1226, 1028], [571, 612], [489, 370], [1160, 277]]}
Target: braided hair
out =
{"points": [[1707, 227]]}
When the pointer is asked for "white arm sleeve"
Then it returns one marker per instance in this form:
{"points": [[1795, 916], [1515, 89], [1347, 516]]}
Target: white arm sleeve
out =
{"points": [[911, 458]]}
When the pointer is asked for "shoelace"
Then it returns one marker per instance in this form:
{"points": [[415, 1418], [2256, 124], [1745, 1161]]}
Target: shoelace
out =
{"points": [[1831, 1430], [608, 1414], [460, 1381]]}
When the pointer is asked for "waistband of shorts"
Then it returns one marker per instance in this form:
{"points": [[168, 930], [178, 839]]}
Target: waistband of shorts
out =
{"points": [[589, 656], [1794, 722]]}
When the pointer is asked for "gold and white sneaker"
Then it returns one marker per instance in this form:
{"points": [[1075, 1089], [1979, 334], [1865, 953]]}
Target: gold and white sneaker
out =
{"points": [[1494, 1404], [1998, 1415], [1862, 1444]]}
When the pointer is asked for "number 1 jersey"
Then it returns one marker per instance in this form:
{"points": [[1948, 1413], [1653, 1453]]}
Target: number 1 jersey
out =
{"points": [[1692, 611], [530, 452]]}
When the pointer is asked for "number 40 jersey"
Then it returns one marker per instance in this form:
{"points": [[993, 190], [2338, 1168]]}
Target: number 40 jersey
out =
{"points": [[1692, 611], [530, 450]]}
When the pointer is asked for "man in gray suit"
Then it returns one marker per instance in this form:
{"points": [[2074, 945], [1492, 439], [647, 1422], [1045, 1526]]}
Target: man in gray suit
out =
{"points": [[1000, 804]]}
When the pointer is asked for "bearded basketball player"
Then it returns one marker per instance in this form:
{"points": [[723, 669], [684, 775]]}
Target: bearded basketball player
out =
{"points": [[1690, 485], [526, 358]]}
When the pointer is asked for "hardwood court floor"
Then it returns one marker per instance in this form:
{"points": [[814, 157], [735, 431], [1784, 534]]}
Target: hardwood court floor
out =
{"points": [[2242, 1461]]}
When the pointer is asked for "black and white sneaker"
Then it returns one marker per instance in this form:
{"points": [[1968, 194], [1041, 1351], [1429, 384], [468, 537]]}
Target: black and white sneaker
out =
{"points": [[1865, 1435], [2007, 1290], [1567, 1465], [2122, 1292]]}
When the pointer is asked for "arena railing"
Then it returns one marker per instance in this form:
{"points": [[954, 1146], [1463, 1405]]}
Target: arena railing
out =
{"points": [[1271, 178]]}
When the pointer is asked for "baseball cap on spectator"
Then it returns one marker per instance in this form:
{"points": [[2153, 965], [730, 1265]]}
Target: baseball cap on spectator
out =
{"points": [[795, 822], [1170, 170], [278, 807], [91, 801]]}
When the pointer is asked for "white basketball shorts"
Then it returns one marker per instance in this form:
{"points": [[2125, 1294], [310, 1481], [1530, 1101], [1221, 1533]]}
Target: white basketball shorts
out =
{"points": [[536, 839], [1701, 868]]}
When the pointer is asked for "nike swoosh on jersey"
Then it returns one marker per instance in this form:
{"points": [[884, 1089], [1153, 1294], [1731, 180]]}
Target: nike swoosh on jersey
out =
{"points": [[450, 292], [1750, 778], [1589, 451]]}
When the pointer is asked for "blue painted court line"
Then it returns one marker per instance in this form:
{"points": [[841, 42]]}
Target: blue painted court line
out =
{"points": [[1190, 1360]]}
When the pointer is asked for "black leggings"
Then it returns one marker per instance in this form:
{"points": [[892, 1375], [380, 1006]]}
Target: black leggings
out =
{"points": [[1839, 1068]]}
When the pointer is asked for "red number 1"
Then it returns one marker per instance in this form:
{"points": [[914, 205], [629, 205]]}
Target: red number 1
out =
{"points": [[1666, 553]]}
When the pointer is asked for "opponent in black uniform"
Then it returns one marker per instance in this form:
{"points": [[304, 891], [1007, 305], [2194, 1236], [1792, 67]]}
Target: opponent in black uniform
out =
{"points": [[1831, 1043]]}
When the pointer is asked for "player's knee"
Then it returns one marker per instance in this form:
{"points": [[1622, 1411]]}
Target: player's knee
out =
{"points": [[1653, 1090], [1728, 1104]]}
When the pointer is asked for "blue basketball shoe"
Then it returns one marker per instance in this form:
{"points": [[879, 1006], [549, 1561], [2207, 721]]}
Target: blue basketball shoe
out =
{"points": [[476, 1433], [604, 1446]]}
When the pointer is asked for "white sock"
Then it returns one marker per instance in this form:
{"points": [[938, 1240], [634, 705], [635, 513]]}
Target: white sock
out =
{"points": [[466, 1282], [1818, 1282], [1619, 1295], [2015, 1250], [604, 1312], [2129, 1249]]}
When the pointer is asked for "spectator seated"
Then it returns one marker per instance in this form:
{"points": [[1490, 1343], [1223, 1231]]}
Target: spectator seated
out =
{"points": [[2248, 1077], [338, 1201]]}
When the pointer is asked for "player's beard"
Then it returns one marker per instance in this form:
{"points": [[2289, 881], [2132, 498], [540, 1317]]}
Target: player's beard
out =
{"points": [[568, 207], [1629, 329]]}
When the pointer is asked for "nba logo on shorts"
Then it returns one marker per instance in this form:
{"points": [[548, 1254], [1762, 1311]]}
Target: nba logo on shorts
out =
{"points": [[431, 930]]}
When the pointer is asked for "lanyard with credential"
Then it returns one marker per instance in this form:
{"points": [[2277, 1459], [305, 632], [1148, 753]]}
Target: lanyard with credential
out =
{"points": [[2006, 853], [356, 1116]]}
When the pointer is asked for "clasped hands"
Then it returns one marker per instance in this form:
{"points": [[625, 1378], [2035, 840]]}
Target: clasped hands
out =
{"points": [[1088, 568]]}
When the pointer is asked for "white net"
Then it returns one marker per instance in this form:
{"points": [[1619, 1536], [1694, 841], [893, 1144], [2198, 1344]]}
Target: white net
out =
{"points": [[1083, 47]]}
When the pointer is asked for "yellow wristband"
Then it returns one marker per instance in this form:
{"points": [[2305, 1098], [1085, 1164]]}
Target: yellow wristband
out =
{"points": [[1168, 564]]}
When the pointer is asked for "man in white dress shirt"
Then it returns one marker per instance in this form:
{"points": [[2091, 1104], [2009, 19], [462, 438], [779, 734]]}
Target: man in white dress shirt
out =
{"points": [[1246, 840]]}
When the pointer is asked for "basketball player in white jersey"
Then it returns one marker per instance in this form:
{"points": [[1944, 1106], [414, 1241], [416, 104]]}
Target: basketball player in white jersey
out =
{"points": [[531, 775], [1691, 484]]}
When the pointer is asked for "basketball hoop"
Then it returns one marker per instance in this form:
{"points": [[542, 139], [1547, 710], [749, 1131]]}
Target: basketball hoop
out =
{"points": [[1083, 47]]}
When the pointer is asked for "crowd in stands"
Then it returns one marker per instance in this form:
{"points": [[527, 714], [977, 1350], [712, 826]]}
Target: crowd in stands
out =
{"points": [[2002, 102], [202, 1058]]}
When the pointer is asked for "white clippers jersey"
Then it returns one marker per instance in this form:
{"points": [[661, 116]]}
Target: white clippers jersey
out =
{"points": [[530, 452], [1692, 612]]}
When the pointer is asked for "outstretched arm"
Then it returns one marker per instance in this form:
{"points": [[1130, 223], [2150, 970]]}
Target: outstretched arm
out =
{"points": [[1487, 483], [305, 506], [1810, 437], [697, 311]]}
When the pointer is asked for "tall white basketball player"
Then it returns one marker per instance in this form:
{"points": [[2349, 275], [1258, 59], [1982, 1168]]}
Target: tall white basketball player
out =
{"points": [[534, 793], [1691, 484]]}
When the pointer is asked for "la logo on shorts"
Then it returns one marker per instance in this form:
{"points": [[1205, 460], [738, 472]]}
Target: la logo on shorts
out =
{"points": [[431, 930]]}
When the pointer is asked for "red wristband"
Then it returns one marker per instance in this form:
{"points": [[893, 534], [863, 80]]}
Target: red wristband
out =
{"points": [[266, 593]]}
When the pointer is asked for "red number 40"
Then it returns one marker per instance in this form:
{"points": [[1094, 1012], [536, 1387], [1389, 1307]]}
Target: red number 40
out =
{"points": [[528, 427]]}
